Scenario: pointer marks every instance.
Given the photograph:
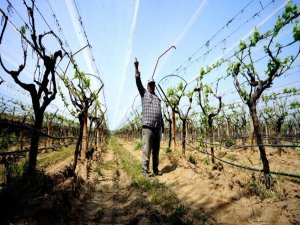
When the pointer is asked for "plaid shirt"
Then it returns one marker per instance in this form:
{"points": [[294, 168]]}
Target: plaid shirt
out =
{"points": [[152, 116]]}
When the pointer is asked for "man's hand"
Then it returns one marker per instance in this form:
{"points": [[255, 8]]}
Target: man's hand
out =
{"points": [[136, 65]]}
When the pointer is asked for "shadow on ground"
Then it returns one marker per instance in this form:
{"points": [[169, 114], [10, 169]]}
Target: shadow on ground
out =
{"points": [[169, 168]]}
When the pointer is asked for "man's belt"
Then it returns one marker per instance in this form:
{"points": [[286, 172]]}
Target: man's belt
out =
{"points": [[151, 128]]}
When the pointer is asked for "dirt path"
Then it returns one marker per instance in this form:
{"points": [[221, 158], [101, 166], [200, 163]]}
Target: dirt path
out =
{"points": [[224, 195], [115, 199], [52, 169], [210, 195]]}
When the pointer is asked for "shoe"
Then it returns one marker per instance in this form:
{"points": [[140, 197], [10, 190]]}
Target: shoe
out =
{"points": [[157, 173]]}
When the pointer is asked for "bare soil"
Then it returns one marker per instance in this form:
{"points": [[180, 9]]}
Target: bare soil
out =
{"points": [[108, 197], [212, 194], [115, 199], [229, 194]]}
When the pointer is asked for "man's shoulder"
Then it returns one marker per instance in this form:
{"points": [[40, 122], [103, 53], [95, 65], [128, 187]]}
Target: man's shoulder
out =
{"points": [[157, 96]]}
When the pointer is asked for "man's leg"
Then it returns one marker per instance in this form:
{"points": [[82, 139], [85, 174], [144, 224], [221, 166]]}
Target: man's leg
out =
{"points": [[147, 146], [155, 153]]}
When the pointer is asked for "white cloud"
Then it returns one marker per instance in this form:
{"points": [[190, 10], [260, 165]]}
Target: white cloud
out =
{"points": [[127, 59], [79, 35]]}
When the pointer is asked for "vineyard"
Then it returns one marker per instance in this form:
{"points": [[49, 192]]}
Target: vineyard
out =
{"points": [[71, 142]]}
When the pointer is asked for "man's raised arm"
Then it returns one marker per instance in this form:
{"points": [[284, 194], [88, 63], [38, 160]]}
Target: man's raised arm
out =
{"points": [[138, 78]]}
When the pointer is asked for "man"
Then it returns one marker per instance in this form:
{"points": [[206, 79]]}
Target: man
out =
{"points": [[152, 123]]}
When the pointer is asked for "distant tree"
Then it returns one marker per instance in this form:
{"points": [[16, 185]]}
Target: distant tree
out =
{"points": [[293, 125], [184, 116], [276, 109], [83, 98], [49, 122], [174, 96], [97, 118], [238, 119], [205, 92], [167, 116]]}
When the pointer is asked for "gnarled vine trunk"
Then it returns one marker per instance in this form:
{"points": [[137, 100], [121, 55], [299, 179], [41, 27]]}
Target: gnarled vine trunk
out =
{"points": [[34, 143], [174, 128], [183, 135], [259, 141]]}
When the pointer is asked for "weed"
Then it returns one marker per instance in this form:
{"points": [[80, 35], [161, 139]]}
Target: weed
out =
{"points": [[192, 159], [232, 157], [98, 171], [107, 165], [138, 144], [158, 193], [161, 195], [143, 183], [206, 161], [13, 172], [201, 142], [257, 187], [99, 215], [228, 142], [177, 217], [280, 191], [45, 160], [6, 141], [168, 150]]}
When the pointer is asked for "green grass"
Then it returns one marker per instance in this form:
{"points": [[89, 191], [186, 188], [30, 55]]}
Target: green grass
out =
{"points": [[257, 187], [13, 171], [168, 150], [138, 144], [176, 217], [44, 160], [53, 157], [206, 160], [232, 157], [158, 192], [104, 166], [298, 151], [7, 141]]}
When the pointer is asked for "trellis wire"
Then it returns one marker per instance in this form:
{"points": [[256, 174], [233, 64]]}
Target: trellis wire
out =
{"points": [[246, 167]]}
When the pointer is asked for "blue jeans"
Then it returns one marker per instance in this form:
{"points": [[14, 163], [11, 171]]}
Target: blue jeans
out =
{"points": [[151, 142]]}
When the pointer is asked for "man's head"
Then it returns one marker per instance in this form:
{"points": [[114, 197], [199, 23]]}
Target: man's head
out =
{"points": [[151, 85]]}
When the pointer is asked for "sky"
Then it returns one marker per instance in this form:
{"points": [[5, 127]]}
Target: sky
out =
{"points": [[120, 31]]}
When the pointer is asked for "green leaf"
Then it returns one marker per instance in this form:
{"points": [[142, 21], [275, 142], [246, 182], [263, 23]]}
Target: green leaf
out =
{"points": [[202, 72], [76, 75], [296, 31], [207, 90], [190, 94], [180, 86], [243, 45], [278, 26], [208, 69], [87, 82], [23, 30], [170, 92], [255, 37], [295, 105], [244, 94]]}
